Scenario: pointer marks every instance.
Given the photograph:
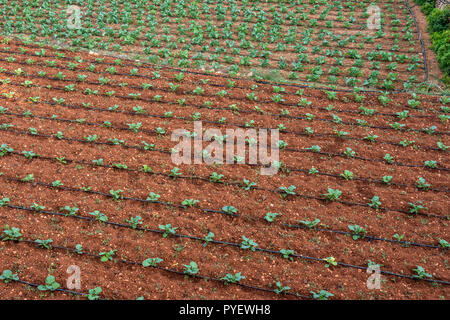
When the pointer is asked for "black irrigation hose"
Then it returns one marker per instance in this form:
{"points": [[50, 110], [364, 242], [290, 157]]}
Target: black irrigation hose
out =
{"points": [[175, 56], [298, 80], [151, 132], [172, 271], [116, 36], [244, 18], [137, 147], [170, 204], [420, 39], [290, 5], [223, 76], [118, 74], [72, 106]]}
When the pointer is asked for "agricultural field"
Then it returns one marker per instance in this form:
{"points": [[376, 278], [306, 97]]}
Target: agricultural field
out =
{"points": [[89, 189], [319, 42]]}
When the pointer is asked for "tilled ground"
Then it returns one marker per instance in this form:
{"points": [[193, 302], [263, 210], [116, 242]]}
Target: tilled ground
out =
{"points": [[58, 135]]}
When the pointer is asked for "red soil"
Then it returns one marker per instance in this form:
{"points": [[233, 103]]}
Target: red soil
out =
{"points": [[120, 281]]}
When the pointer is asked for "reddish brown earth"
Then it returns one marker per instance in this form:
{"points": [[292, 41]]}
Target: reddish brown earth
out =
{"points": [[261, 269], [434, 72]]}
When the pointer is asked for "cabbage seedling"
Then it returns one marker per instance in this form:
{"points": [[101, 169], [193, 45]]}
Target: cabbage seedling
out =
{"points": [[8, 276], [151, 262], [191, 268], [50, 284]]}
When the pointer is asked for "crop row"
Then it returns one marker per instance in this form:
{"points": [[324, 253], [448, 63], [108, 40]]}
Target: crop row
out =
{"points": [[118, 64], [91, 36], [14, 234], [117, 68]]}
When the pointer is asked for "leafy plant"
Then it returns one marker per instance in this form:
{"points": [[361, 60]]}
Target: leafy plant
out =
{"points": [[94, 294], [270, 216], [151, 262], [229, 278], [280, 289], [375, 202], [387, 179], [332, 194], [347, 175], [229, 209], [7, 276], [175, 172], [107, 255], [416, 208], [50, 284], [444, 244], [420, 273], [287, 253], [153, 197], [99, 216], [331, 261], [215, 177], [286, 191], [322, 295], [168, 230], [46, 244], [358, 231], [134, 221], [422, 184], [189, 203], [191, 268], [4, 202], [208, 238], [248, 243]]}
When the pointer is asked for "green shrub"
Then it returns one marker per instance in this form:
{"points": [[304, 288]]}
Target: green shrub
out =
{"points": [[439, 20], [427, 8], [441, 45], [422, 2]]}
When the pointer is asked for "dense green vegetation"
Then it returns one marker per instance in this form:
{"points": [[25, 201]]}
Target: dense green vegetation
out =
{"points": [[439, 27]]}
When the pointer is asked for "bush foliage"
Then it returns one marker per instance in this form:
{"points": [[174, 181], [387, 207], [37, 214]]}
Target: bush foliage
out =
{"points": [[439, 26]]}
